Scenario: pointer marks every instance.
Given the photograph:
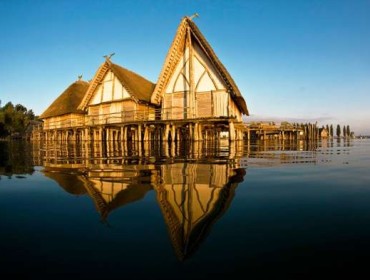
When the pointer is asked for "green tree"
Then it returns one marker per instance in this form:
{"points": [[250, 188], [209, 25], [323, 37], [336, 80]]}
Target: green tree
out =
{"points": [[14, 119], [348, 131], [344, 131]]}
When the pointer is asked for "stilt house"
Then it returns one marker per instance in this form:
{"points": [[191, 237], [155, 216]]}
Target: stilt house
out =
{"points": [[117, 102], [195, 88], [195, 98]]}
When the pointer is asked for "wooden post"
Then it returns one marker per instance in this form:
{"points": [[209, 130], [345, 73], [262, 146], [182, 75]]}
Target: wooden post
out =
{"points": [[196, 132], [173, 133], [146, 133], [139, 132], [231, 131], [166, 132]]}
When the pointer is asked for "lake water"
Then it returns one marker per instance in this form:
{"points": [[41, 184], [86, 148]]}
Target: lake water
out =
{"points": [[246, 211]]}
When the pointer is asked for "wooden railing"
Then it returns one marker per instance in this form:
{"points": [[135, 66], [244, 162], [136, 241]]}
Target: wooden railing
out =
{"points": [[171, 113]]}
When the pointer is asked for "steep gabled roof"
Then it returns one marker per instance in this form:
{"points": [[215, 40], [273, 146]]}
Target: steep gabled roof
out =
{"points": [[68, 101], [137, 86], [175, 53]]}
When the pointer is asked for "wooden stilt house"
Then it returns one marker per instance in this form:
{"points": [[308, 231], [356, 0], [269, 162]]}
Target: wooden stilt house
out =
{"points": [[195, 99], [117, 104], [62, 119], [196, 92]]}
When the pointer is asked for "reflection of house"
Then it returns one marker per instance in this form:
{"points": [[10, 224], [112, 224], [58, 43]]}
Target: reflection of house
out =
{"points": [[192, 195], [192, 198], [324, 133], [109, 187], [195, 98]]}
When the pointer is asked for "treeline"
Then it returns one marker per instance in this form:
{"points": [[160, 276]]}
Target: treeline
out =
{"points": [[14, 119], [312, 131], [339, 132]]}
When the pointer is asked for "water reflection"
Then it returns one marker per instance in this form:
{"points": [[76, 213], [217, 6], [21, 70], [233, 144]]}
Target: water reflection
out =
{"points": [[192, 197], [194, 188], [194, 185], [16, 158]]}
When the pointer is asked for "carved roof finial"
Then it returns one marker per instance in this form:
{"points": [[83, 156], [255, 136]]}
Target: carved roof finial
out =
{"points": [[193, 16], [108, 56], [80, 77]]}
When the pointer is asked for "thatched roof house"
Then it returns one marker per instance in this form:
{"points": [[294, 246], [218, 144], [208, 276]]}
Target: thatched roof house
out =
{"points": [[68, 101], [176, 54], [135, 86], [195, 97]]}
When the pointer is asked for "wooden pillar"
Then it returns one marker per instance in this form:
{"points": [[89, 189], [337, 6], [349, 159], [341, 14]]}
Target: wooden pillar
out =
{"points": [[196, 132], [146, 133], [107, 135], [87, 134], [239, 135], [125, 136], [173, 133], [231, 131], [166, 132], [139, 133], [100, 138]]}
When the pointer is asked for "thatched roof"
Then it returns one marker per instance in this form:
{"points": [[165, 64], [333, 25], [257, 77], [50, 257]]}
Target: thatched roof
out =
{"points": [[175, 53], [137, 86], [68, 101]]}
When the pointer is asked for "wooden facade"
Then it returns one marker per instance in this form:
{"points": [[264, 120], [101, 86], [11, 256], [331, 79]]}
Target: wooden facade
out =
{"points": [[195, 98], [196, 88]]}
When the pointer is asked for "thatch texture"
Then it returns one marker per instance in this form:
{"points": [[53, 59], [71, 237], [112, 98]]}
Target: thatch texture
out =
{"points": [[68, 101], [138, 87], [175, 53]]}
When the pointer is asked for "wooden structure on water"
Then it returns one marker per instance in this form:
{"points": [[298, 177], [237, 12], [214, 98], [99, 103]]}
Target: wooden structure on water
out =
{"points": [[194, 99], [270, 131]]}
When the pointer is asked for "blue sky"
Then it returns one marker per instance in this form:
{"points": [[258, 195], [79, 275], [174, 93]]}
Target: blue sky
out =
{"points": [[296, 60]]}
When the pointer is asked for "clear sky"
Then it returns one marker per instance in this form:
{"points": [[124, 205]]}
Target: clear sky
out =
{"points": [[294, 60]]}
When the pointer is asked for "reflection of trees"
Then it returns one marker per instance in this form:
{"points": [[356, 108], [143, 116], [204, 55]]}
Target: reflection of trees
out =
{"points": [[15, 158], [192, 197]]}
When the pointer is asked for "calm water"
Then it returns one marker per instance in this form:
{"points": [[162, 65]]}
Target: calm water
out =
{"points": [[263, 210]]}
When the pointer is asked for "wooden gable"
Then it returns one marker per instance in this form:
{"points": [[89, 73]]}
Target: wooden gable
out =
{"points": [[112, 83], [109, 89], [196, 79]]}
